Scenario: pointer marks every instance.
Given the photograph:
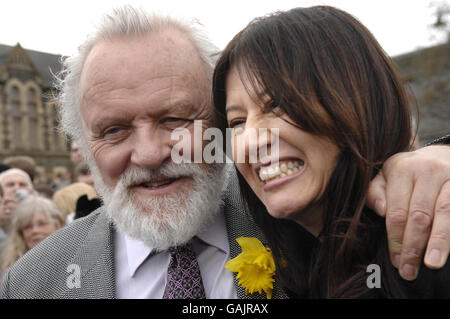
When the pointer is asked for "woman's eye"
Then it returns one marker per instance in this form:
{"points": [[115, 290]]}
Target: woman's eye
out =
{"points": [[172, 120], [42, 223], [236, 123]]}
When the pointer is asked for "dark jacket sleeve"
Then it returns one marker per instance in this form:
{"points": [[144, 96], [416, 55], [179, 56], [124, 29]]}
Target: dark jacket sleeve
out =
{"points": [[441, 140], [442, 283]]}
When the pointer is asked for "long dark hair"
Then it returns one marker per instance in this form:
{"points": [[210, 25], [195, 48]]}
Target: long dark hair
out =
{"points": [[325, 70]]}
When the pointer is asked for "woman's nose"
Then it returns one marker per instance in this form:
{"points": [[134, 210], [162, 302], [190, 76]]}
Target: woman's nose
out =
{"points": [[252, 142]]}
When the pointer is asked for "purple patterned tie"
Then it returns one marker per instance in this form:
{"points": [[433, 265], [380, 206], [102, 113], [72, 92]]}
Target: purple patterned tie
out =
{"points": [[183, 275]]}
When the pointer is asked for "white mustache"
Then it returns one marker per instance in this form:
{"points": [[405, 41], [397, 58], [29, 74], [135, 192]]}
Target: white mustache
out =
{"points": [[169, 170]]}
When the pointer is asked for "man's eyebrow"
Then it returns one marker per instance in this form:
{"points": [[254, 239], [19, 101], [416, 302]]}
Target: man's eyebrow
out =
{"points": [[182, 107]]}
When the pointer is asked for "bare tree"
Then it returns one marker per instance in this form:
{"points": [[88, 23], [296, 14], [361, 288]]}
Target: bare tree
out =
{"points": [[441, 25]]}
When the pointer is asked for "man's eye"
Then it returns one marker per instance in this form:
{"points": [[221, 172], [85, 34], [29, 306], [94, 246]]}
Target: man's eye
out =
{"points": [[112, 131]]}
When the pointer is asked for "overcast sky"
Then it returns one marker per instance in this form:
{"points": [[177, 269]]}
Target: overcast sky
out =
{"points": [[59, 26]]}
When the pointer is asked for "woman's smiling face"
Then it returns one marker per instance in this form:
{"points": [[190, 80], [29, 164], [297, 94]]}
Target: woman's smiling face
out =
{"points": [[305, 165]]}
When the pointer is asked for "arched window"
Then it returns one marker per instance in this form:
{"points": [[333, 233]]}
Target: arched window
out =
{"points": [[14, 98], [33, 118]]}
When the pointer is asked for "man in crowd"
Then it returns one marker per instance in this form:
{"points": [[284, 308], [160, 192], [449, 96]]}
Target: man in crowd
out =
{"points": [[25, 163], [15, 179], [82, 174], [75, 153], [15, 185], [134, 82]]}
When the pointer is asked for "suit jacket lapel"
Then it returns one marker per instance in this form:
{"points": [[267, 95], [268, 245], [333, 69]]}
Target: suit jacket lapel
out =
{"points": [[96, 261], [241, 224]]}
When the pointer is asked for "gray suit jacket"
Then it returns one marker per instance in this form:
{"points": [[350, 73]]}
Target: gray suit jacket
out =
{"points": [[47, 270]]}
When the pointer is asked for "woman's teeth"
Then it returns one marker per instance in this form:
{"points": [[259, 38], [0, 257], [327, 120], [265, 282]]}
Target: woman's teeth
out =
{"points": [[279, 170]]}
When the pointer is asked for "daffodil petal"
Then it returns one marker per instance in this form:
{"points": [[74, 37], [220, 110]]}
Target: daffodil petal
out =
{"points": [[265, 260], [255, 266], [234, 264], [251, 245]]}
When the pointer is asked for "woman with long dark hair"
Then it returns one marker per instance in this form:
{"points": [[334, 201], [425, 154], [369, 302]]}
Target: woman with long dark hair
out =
{"points": [[319, 77]]}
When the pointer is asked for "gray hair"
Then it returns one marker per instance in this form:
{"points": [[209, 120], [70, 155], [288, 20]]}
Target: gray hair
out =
{"points": [[16, 170], [23, 214], [125, 21]]}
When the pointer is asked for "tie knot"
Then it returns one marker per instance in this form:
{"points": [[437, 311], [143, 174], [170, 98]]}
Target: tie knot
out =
{"points": [[183, 277], [185, 249], [183, 256]]}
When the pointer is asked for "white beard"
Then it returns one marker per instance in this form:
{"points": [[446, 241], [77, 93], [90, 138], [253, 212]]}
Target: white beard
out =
{"points": [[165, 221]]}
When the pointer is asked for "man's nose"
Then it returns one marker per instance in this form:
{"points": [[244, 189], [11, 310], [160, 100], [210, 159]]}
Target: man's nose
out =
{"points": [[15, 188], [150, 148]]}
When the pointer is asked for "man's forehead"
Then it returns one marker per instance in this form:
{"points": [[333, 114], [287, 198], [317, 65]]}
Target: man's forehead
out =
{"points": [[14, 176], [160, 56], [169, 44]]}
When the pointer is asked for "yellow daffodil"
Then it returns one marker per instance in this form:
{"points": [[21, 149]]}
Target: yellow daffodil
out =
{"points": [[255, 266]]}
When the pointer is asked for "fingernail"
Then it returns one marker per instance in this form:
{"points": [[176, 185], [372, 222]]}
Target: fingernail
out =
{"points": [[434, 257], [409, 272], [380, 206]]}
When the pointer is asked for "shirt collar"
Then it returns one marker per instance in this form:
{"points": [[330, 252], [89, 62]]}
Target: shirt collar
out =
{"points": [[136, 253], [215, 234]]}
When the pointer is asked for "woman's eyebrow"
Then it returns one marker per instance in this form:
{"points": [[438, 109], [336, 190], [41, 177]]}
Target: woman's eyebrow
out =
{"points": [[233, 107]]}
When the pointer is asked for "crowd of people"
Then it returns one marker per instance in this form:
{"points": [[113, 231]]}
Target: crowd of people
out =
{"points": [[346, 191], [32, 208]]}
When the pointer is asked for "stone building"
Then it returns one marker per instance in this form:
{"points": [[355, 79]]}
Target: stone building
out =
{"points": [[427, 72], [28, 115]]}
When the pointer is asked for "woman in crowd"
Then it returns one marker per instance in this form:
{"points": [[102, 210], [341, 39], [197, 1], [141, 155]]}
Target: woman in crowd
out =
{"points": [[34, 219], [319, 77], [66, 198]]}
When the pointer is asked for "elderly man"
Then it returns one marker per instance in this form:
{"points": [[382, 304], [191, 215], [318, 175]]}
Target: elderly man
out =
{"points": [[15, 179], [166, 230], [15, 185]]}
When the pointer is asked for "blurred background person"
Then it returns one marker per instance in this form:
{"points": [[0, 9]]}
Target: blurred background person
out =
{"points": [[66, 199], [4, 167], [15, 179], [3, 218], [75, 154], [3, 221], [82, 174], [25, 163], [16, 185], [45, 190], [34, 219], [61, 180], [75, 159]]}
